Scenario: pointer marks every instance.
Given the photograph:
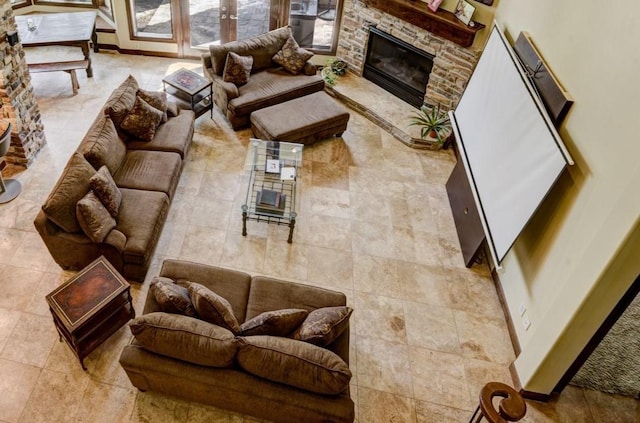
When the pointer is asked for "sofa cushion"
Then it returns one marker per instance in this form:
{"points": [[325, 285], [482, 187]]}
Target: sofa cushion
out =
{"points": [[173, 136], [292, 57], [276, 323], [142, 120], [272, 87], [261, 47], [322, 326], [140, 219], [121, 100], [212, 307], [60, 206], [94, 218], [171, 297], [105, 188], [237, 69], [185, 338], [156, 99], [149, 171], [294, 363], [102, 146]]}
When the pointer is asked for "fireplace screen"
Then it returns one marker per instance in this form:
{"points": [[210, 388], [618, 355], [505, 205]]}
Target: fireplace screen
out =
{"points": [[398, 67]]}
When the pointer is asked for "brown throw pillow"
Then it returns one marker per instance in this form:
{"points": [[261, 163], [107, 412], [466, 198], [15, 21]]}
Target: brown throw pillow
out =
{"points": [[292, 57], [121, 100], [212, 307], [142, 120], [61, 204], [107, 191], [94, 218], [157, 99], [275, 323], [171, 297], [237, 68], [185, 338], [294, 363], [322, 326]]}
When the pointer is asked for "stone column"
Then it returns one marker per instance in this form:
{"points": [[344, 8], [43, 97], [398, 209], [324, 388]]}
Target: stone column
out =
{"points": [[17, 100]]}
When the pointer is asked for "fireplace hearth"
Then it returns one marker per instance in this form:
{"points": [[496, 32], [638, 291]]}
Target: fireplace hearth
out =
{"points": [[397, 66]]}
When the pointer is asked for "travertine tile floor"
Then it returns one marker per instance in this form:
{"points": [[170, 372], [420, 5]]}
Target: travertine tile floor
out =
{"points": [[427, 333]]}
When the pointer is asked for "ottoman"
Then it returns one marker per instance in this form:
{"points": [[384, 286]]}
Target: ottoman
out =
{"points": [[303, 120]]}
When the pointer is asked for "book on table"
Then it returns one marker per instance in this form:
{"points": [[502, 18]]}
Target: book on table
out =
{"points": [[271, 206], [267, 197]]}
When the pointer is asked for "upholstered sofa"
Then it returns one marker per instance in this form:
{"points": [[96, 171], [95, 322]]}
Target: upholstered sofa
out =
{"points": [[145, 170], [276, 378], [268, 84]]}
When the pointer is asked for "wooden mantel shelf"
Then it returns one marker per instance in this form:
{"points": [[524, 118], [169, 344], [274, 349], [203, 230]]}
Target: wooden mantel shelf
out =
{"points": [[442, 23]]}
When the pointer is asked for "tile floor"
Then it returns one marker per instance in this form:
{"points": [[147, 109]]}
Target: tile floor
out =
{"points": [[375, 223]]}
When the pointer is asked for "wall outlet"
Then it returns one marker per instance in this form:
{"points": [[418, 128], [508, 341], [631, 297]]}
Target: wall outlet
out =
{"points": [[526, 323], [522, 309]]}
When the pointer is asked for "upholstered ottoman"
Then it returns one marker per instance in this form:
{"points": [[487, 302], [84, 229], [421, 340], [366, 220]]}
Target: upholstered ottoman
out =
{"points": [[304, 120]]}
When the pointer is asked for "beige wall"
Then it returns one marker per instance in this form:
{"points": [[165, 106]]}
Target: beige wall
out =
{"points": [[562, 268]]}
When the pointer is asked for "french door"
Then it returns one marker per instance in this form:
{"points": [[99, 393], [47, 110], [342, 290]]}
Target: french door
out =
{"points": [[204, 22]]}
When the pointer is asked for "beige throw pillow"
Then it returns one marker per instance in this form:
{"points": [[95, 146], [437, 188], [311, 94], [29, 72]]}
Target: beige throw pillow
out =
{"points": [[275, 323], [185, 338], [237, 69], [94, 218], [292, 57], [103, 185]]}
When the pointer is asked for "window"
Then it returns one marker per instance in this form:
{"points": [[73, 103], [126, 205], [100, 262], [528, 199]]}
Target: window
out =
{"points": [[106, 7], [150, 19], [65, 2], [315, 24]]}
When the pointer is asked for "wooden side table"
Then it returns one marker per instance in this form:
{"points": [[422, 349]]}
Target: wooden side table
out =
{"points": [[190, 91], [90, 307]]}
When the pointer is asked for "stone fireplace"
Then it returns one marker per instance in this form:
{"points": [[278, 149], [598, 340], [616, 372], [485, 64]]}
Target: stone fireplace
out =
{"points": [[452, 63], [398, 67], [18, 103]]}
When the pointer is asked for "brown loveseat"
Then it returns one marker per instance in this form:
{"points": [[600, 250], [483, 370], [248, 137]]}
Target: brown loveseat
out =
{"points": [[304, 392], [146, 174], [268, 83]]}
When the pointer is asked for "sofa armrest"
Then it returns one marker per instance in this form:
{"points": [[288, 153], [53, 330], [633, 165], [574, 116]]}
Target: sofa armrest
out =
{"points": [[310, 69], [116, 239], [207, 65], [230, 89]]}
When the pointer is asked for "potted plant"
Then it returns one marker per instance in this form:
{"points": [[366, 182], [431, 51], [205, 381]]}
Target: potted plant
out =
{"points": [[433, 123], [333, 69]]}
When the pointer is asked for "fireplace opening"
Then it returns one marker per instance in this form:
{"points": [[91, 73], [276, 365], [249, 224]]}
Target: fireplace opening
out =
{"points": [[397, 66]]}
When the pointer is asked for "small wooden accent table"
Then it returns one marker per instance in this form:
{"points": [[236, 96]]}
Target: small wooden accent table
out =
{"points": [[90, 307], [190, 90]]}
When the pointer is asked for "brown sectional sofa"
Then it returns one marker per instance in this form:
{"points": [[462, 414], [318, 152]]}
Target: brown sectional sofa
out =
{"points": [[232, 387], [268, 84], [146, 173]]}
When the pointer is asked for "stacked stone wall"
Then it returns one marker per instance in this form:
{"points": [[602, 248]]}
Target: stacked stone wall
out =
{"points": [[452, 63], [18, 103]]}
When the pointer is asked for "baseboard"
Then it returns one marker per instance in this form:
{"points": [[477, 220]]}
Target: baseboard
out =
{"points": [[513, 335]]}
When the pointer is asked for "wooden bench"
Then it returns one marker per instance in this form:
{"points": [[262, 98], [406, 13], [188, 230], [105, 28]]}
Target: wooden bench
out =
{"points": [[68, 66]]}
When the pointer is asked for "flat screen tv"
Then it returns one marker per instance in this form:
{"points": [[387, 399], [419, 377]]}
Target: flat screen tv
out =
{"points": [[510, 148]]}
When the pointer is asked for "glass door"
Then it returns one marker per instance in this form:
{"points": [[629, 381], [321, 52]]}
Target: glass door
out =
{"points": [[205, 22]]}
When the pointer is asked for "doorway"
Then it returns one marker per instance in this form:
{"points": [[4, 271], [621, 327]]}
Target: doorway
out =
{"points": [[205, 22]]}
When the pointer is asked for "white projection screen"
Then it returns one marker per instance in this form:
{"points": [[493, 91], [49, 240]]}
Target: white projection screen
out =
{"points": [[510, 148]]}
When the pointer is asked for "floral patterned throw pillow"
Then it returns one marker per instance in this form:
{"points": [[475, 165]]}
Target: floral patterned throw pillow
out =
{"points": [[292, 57], [237, 68], [142, 120]]}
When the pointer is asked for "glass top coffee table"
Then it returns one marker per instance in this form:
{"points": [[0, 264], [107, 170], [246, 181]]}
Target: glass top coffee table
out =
{"points": [[273, 168]]}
